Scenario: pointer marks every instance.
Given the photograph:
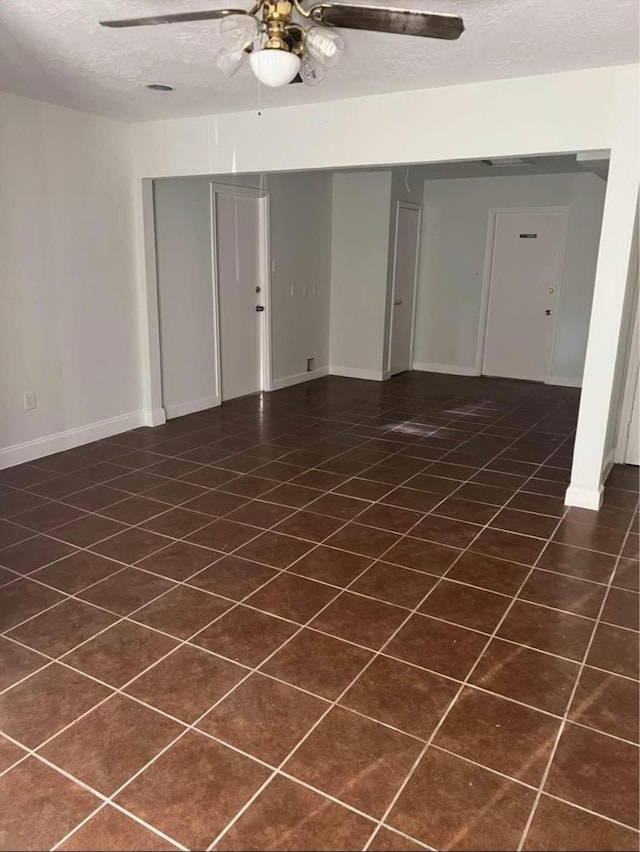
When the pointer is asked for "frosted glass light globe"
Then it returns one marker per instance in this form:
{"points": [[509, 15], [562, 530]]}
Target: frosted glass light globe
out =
{"points": [[274, 67], [229, 60], [239, 31]]}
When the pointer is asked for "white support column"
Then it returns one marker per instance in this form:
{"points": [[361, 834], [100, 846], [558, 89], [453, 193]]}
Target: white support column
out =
{"points": [[612, 274]]}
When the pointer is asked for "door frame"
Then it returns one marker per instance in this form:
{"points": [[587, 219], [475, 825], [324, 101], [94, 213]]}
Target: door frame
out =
{"points": [[494, 212], [264, 321], [410, 205]]}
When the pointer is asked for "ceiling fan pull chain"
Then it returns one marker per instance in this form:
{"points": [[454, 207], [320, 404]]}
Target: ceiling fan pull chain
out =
{"points": [[259, 94]]}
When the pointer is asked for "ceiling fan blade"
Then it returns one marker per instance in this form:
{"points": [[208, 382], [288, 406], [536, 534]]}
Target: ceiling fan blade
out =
{"points": [[177, 18], [385, 19]]}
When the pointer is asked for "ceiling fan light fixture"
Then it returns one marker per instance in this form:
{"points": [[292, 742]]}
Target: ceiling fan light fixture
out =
{"points": [[289, 41], [274, 67], [239, 31], [311, 72], [324, 46], [230, 60]]}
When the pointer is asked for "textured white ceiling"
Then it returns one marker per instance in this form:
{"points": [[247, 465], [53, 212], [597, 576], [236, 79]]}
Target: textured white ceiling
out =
{"points": [[56, 51]]}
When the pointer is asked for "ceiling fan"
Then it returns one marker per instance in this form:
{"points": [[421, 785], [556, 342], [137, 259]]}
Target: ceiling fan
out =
{"points": [[282, 50]]}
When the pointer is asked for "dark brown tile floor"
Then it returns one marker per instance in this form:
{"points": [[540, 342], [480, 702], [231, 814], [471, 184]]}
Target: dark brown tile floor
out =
{"points": [[346, 615]]}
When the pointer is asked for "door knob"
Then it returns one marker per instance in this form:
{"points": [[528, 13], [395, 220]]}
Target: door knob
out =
{"points": [[548, 312], [259, 308], [397, 302]]}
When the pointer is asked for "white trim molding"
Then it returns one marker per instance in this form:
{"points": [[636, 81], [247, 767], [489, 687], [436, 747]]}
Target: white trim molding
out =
{"points": [[298, 378], [451, 369], [181, 409], [70, 438], [357, 373], [564, 381], [584, 498], [154, 417]]}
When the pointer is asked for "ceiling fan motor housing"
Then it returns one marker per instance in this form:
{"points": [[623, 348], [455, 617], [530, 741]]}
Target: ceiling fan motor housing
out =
{"points": [[277, 16]]}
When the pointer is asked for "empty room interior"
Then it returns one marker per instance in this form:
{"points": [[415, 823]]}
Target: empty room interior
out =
{"points": [[319, 430]]}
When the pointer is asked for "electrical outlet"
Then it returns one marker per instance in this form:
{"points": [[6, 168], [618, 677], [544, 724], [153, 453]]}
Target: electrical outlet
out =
{"points": [[29, 400]]}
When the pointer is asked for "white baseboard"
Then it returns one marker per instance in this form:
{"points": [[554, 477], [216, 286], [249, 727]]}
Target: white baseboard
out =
{"points": [[355, 373], [564, 381], [181, 409], [451, 369], [584, 498], [154, 417], [298, 378], [70, 438]]}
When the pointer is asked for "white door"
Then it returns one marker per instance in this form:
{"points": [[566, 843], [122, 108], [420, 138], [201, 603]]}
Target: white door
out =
{"points": [[405, 267], [526, 268], [240, 287]]}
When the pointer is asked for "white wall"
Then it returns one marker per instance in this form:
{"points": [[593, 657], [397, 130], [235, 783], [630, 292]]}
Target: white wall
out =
{"points": [[68, 317], [361, 212], [552, 113], [300, 220], [455, 218], [301, 277], [586, 204]]}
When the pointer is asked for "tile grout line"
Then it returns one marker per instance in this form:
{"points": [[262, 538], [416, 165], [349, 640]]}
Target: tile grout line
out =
{"points": [[565, 717], [220, 488], [375, 655], [221, 555], [450, 706], [239, 546], [104, 806], [186, 727], [189, 643], [594, 813], [317, 544]]}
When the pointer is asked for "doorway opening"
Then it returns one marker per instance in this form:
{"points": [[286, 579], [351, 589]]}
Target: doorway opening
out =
{"points": [[371, 272], [404, 286], [212, 269]]}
